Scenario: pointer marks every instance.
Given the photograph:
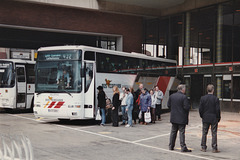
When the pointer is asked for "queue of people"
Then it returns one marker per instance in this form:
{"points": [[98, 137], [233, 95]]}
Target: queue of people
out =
{"points": [[134, 105]]}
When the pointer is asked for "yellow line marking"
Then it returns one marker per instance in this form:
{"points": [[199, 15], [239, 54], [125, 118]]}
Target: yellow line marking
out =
{"points": [[39, 119], [187, 147]]}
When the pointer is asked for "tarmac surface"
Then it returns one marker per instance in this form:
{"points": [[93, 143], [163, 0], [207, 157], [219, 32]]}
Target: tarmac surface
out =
{"points": [[85, 140]]}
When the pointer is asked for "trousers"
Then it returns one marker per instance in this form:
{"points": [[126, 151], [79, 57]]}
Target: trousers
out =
{"points": [[173, 135], [205, 128]]}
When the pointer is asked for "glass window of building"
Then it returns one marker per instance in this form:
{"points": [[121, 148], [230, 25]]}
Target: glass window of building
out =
{"points": [[202, 24], [236, 87], [107, 43]]}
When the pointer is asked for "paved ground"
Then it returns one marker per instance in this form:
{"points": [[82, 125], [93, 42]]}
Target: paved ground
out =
{"points": [[84, 140]]}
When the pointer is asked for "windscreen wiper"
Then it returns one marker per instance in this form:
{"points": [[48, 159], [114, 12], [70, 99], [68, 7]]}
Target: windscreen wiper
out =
{"points": [[67, 93]]}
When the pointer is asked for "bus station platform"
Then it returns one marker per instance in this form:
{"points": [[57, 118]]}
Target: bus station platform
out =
{"points": [[86, 140]]}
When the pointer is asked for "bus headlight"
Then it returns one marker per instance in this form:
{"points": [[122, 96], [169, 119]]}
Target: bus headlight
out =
{"points": [[77, 106], [74, 106], [70, 106]]}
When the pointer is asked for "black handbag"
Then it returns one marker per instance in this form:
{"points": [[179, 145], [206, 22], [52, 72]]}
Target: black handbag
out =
{"points": [[125, 116]]}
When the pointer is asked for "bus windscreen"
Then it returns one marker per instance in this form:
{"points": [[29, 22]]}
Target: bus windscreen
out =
{"points": [[7, 77], [58, 71]]}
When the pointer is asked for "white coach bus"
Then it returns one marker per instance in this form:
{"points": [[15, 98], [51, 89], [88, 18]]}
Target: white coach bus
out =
{"points": [[17, 78], [67, 78]]}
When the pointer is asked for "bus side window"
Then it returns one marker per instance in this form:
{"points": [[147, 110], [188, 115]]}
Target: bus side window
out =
{"points": [[21, 74], [88, 76], [30, 73]]}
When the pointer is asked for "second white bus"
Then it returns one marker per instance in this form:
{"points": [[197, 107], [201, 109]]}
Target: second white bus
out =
{"points": [[17, 78]]}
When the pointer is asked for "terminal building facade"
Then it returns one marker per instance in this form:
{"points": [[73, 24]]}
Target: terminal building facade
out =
{"points": [[203, 36]]}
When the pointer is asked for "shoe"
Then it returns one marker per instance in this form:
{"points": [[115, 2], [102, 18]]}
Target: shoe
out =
{"points": [[141, 122], [203, 150], [128, 126], [186, 150], [145, 123], [135, 122], [102, 125], [215, 151], [122, 123], [159, 119], [171, 149]]}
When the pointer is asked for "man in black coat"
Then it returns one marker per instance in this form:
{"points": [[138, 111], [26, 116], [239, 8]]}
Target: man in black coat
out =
{"points": [[178, 103], [102, 104], [209, 111]]}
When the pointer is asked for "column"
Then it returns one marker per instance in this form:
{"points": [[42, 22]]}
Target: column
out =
{"points": [[219, 46], [187, 40]]}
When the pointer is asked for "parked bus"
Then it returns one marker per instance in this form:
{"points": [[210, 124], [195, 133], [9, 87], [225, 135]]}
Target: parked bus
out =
{"points": [[17, 78], [67, 78]]}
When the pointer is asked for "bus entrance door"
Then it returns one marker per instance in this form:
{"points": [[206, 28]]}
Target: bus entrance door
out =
{"points": [[21, 86], [89, 90]]}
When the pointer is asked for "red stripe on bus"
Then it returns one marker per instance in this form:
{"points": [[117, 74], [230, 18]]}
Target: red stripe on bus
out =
{"points": [[163, 83], [51, 105], [59, 105]]}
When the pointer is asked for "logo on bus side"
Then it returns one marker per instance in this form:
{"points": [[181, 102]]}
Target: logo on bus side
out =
{"points": [[108, 82], [108, 85]]}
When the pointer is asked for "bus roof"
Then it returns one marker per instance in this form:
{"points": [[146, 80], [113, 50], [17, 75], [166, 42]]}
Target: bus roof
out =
{"points": [[19, 61], [106, 51]]}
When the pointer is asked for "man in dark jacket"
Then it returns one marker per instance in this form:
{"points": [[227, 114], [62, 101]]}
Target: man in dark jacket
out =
{"points": [[209, 111], [178, 103], [102, 103]]}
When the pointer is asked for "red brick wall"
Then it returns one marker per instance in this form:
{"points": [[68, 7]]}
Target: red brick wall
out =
{"points": [[43, 16], [3, 55]]}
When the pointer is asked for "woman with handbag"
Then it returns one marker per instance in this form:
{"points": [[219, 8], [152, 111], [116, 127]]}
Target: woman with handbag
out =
{"points": [[145, 104], [116, 104]]}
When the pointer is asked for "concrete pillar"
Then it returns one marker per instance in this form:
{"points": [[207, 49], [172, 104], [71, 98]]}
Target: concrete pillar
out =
{"points": [[219, 87], [187, 40], [219, 34], [8, 53], [219, 46]]}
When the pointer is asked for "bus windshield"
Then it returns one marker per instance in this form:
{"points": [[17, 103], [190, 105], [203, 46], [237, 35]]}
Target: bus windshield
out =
{"points": [[7, 77], [58, 71]]}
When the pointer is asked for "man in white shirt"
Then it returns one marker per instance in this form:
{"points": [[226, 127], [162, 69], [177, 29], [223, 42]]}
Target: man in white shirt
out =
{"points": [[122, 98]]}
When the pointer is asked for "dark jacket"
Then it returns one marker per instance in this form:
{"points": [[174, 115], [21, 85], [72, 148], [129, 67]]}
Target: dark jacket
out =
{"points": [[209, 109], [179, 105], [116, 101], [101, 99]]}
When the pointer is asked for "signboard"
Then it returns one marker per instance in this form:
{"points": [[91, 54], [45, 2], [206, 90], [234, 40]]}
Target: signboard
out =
{"points": [[21, 55]]}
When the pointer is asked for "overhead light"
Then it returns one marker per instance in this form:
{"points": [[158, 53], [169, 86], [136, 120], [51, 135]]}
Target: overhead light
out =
{"points": [[179, 22]]}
